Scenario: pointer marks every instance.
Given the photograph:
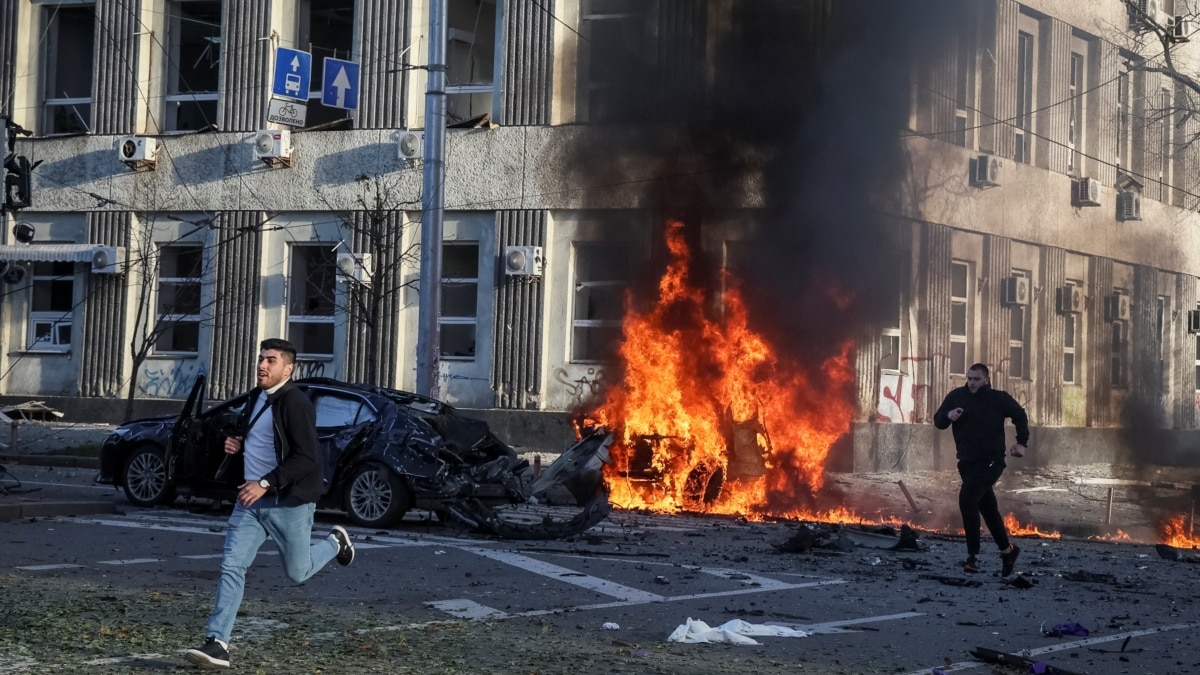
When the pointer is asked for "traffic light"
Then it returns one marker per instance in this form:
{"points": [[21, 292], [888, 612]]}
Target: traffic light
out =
{"points": [[18, 186]]}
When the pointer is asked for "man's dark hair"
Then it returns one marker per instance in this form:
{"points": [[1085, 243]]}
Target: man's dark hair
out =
{"points": [[280, 345], [981, 368]]}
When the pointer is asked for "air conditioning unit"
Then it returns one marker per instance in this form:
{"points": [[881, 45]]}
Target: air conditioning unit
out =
{"points": [[1144, 15], [1016, 291], [411, 144], [355, 267], [1129, 205], [1086, 192], [273, 147], [1193, 319], [1117, 307], [523, 261], [985, 171], [137, 152], [1070, 300], [108, 259], [1180, 28]]}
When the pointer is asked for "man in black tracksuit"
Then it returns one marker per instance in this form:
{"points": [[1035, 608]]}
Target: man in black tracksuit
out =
{"points": [[977, 413]]}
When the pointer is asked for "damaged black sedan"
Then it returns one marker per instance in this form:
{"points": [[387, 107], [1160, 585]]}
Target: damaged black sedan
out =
{"points": [[385, 452]]}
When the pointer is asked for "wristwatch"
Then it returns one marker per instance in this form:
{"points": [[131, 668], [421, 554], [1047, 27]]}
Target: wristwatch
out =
{"points": [[264, 483]]}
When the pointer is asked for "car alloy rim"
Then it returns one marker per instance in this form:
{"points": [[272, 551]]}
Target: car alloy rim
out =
{"points": [[370, 495], [147, 476]]}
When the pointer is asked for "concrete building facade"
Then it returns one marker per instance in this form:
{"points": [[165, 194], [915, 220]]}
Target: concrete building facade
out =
{"points": [[1048, 210]]}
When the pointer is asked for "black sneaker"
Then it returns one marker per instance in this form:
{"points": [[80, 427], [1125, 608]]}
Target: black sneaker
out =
{"points": [[213, 654], [970, 565], [1009, 560], [345, 554]]}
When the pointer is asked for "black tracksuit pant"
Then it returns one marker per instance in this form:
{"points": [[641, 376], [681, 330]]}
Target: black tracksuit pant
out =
{"points": [[976, 499]]}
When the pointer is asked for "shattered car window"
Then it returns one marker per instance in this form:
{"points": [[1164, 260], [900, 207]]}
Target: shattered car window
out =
{"points": [[340, 411]]}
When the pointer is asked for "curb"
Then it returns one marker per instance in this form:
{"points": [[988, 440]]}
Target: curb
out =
{"points": [[10, 512], [52, 460]]}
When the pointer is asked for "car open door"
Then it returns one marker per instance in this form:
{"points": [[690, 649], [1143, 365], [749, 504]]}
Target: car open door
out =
{"points": [[179, 458]]}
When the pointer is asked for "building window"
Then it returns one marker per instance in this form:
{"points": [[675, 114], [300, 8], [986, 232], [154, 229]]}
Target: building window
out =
{"points": [[193, 64], [1119, 346], [325, 29], [960, 316], [1197, 339], [601, 276], [1164, 149], [69, 51], [613, 47], [963, 93], [1070, 341], [1163, 337], [1124, 121], [458, 319], [51, 305], [1022, 151], [312, 295], [1075, 123], [1018, 336], [180, 270], [470, 58], [889, 355]]}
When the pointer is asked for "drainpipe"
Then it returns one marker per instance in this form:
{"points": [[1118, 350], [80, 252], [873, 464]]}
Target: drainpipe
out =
{"points": [[432, 205]]}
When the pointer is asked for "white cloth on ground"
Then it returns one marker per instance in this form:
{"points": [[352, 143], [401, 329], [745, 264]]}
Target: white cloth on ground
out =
{"points": [[734, 632]]}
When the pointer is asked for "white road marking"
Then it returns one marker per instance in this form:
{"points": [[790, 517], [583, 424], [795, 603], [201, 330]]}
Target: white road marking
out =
{"points": [[73, 485], [467, 609], [39, 568], [117, 660], [131, 561], [1062, 646], [566, 575], [834, 627]]}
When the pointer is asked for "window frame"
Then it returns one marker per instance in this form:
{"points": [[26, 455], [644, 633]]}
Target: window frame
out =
{"points": [[1071, 341], [50, 57], [966, 301], [315, 319], [1026, 90], [594, 326], [174, 96], [56, 318], [469, 90], [459, 320], [1019, 334], [589, 14], [178, 319]]}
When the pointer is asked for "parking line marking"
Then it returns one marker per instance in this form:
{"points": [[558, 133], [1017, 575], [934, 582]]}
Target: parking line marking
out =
{"points": [[467, 609], [834, 627], [40, 568], [131, 561], [566, 575], [1049, 649]]}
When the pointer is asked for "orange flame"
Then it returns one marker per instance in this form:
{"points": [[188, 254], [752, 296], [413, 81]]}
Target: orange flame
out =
{"points": [[708, 418], [1015, 528], [1175, 532]]}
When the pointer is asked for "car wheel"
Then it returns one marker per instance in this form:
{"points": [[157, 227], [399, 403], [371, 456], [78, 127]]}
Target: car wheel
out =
{"points": [[146, 481], [376, 497]]}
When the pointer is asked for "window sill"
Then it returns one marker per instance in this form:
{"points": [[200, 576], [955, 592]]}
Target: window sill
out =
{"points": [[41, 352], [168, 356]]}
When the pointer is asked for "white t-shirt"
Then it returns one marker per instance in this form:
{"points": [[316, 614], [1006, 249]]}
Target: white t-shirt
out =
{"points": [[259, 444]]}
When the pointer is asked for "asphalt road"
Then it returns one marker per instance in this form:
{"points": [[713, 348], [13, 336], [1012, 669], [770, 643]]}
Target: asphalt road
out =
{"points": [[867, 609]]}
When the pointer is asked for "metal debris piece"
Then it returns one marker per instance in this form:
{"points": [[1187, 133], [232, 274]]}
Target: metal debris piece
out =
{"points": [[1004, 658], [952, 581]]}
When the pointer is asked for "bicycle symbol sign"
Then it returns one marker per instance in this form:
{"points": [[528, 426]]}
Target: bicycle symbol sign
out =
{"points": [[291, 113]]}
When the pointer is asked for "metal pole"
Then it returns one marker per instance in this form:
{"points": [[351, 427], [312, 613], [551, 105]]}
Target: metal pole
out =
{"points": [[432, 204], [1108, 512]]}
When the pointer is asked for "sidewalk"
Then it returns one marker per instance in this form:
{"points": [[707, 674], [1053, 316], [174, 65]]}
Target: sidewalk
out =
{"points": [[32, 453]]}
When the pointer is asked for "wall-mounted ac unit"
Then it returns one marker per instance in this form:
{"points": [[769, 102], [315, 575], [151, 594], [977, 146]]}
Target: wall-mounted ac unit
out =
{"points": [[1070, 300], [137, 152], [411, 144], [1145, 14], [1129, 205], [1193, 319], [1117, 307], [355, 267], [108, 259], [985, 171], [273, 147], [1016, 291], [1086, 192], [523, 261]]}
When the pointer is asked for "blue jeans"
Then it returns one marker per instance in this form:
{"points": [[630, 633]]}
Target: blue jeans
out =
{"points": [[248, 528]]}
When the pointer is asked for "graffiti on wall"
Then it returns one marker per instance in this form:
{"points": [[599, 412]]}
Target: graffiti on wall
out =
{"points": [[583, 387], [161, 381], [900, 394], [308, 368]]}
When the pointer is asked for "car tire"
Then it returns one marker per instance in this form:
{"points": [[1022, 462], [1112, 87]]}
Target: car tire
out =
{"points": [[145, 478], [376, 497]]}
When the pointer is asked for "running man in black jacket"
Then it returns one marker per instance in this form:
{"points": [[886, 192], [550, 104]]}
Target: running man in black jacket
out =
{"points": [[977, 413]]}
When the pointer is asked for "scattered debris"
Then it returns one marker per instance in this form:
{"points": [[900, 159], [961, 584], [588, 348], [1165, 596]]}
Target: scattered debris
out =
{"points": [[1090, 577], [735, 631], [1122, 650], [1021, 581], [1031, 666], [952, 581], [1069, 628], [1168, 552], [610, 625]]}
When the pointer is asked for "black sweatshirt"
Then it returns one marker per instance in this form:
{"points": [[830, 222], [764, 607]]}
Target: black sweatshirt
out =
{"points": [[979, 432]]}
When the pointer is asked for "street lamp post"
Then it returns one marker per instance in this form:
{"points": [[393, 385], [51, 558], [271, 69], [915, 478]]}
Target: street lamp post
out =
{"points": [[432, 204]]}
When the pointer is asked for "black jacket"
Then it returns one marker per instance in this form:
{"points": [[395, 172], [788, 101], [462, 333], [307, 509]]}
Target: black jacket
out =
{"points": [[979, 433], [297, 475]]}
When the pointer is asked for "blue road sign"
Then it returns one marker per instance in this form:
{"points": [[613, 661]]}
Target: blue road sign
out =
{"points": [[293, 72], [340, 84]]}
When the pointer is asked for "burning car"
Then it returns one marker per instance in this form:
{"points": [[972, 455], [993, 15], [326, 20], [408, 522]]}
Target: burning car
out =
{"points": [[385, 451]]}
